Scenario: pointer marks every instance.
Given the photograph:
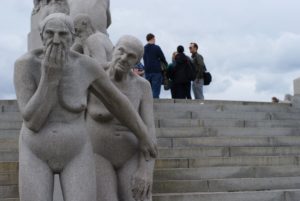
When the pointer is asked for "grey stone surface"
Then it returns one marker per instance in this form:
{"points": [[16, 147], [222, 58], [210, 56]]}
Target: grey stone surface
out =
{"points": [[118, 161], [51, 87]]}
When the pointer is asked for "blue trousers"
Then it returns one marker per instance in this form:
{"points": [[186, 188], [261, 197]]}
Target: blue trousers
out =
{"points": [[155, 80]]}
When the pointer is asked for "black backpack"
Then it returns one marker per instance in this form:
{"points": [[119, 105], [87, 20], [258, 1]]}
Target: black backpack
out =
{"points": [[206, 78]]}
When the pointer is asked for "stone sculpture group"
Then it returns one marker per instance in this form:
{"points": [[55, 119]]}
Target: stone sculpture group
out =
{"points": [[93, 128]]}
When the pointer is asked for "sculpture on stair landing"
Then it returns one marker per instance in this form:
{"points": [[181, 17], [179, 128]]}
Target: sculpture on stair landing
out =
{"points": [[123, 172], [51, 87]]}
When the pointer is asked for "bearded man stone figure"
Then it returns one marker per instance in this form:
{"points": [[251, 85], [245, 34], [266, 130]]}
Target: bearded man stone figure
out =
{"points": [[41, 9], [51, 87], [123, 172]]}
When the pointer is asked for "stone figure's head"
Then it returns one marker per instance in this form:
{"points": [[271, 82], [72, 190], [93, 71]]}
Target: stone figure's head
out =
{"points": [[83, 26], [57, 29], [128, 52]]}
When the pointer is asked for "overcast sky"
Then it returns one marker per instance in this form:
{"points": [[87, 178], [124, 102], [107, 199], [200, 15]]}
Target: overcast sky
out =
{"points": [[251, 47]]}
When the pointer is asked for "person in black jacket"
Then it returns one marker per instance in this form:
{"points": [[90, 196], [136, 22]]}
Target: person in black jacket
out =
{"points": [[153, 56], [181, 82]]}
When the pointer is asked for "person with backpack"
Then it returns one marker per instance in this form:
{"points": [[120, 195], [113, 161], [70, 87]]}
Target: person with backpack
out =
{"points": [[181, 83], [200, 68]]}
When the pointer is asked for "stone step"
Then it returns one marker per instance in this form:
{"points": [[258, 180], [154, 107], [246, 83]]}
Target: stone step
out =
{"points": [[203, 173], [12, 106], [228, 161], [209, 106], [11, 154], [226, 172], [226, 185], [7, 179], [275, 195], [9, 191], [177, 123], [9, 167], [230, 141], [194, 114], [202, 123], [198, 173], [225, 131], [227, 144], [196, 152]]}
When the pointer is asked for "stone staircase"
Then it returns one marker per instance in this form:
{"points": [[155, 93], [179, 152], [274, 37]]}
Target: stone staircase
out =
{"points": [[208, 151]]}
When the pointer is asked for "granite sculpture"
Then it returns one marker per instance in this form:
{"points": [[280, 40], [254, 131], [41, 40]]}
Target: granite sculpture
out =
{"points": [[51, 87], [123, 172], [90, 41]]}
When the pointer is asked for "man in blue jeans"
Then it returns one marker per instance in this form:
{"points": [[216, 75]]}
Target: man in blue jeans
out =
{"points": [[153, 55], [200, 67]]}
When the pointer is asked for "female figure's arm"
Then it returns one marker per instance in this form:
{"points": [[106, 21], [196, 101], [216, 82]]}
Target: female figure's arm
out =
{"points": [[121, 108], [143, 178], [37, 99]]}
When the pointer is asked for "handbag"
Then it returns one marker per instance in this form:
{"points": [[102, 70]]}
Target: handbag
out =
{"points": [[207, 78], [164, 71]]}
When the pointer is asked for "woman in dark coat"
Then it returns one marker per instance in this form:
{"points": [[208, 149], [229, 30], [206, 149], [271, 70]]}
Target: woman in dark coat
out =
{"points": [[181, 84]]}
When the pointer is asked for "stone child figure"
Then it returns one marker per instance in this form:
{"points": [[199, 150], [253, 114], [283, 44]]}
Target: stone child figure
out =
{"points": [[123, 173], [97, 10], [90, 41], [51, 87]]}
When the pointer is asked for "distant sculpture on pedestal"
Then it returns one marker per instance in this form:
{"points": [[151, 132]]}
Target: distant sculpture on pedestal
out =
{"points": [[90, 41], [51, 87], [123, 172]]}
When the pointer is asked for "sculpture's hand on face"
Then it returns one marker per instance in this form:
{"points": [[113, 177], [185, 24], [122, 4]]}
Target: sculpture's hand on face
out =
{"points": [[141, 185], [148, 147], [53, 62]]}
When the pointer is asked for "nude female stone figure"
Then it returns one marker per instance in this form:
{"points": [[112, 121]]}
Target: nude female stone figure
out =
{"points": [[123, 173], [51, 86]]}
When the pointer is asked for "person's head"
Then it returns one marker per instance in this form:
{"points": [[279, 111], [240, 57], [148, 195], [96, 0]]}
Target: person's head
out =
{"points": [[83, 26], [180, 49], [57, 29], [174, 55], [150, 38], [128, 51], [193, 48], [275, 100]]}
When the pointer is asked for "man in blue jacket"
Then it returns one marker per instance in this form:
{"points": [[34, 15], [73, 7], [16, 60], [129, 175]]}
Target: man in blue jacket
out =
{"points": [[153, 56]]}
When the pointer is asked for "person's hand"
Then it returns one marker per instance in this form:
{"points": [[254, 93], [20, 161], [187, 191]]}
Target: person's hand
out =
{"points": [[53, 62], [141, 185], [148, 147]]}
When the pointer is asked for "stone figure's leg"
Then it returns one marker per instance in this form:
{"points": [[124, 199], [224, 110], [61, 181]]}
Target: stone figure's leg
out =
{"points": [[107, 189], [125, 179], [35, 177], [78, 179]]}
